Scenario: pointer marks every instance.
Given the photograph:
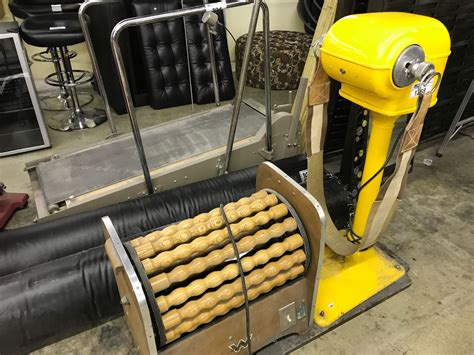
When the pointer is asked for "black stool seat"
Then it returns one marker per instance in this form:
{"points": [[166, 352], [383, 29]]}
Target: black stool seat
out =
{"points": [[52, 30], [23, 11]]}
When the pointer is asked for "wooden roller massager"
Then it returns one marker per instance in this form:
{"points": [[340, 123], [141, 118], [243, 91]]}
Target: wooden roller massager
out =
{"points": [[181, 286]]}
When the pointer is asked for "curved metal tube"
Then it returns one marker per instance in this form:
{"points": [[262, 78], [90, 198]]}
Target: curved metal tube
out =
{"points": [[258, 4], [267, 73], [147, 20], [95, 65]]}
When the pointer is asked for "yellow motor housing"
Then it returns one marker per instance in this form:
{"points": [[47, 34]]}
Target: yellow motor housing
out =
{"points": [[361, 51]]}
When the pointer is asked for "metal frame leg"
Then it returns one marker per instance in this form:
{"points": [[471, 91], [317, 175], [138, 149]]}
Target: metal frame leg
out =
{"points": [[95, 65], [212, 59], [456, 125], [257, 5], [267, 72]]}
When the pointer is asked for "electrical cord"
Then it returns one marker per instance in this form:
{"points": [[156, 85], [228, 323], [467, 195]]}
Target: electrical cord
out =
{"points": [[242, 279], [350, 234], [220, 24], [227, 30]]}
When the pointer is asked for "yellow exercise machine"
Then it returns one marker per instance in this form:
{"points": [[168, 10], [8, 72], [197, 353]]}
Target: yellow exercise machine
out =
{"points": [[390, 64]]}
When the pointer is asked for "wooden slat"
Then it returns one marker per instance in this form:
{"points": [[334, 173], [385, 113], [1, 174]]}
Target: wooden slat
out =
{"points": [[325, 21]]}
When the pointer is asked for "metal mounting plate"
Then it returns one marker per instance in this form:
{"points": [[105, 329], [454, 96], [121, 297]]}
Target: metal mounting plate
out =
{"points": [[131, 292]]}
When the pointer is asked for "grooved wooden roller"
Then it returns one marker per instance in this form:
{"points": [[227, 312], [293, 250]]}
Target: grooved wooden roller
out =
{"points": [[183, 252], [205, 222], [223, 294], [182, 272], [192, 268], [234, 302], [216, 278]]}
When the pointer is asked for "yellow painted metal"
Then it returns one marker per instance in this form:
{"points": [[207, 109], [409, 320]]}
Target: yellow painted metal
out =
{"points": [[347, 282], [377, 149], [360, 52]]}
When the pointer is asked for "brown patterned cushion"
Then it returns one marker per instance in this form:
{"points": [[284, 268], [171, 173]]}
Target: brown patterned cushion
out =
{"points": [[288, 51]]}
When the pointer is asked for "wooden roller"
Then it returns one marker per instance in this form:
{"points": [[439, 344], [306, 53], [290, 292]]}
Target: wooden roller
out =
{"points": [[202, 225], [201, 218], [216, 278], [234, 302], [184, 252], [216, 257], [224, 293]]}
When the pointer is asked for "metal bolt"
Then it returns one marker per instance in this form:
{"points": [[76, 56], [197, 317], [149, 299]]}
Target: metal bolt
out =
{"points": [[398, 267], [321, 313], [342, 71], [124, 301]]}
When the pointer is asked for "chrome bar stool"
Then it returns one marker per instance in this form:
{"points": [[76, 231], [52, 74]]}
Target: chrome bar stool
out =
{"points": [[22, 9], [57, 31]]}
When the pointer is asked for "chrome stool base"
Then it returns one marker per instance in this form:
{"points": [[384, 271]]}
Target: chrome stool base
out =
{"points": [[73, 116], [56, 102], [72, 121]]}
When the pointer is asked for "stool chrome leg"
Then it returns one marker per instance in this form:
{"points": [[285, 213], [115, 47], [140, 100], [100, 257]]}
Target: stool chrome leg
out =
{"points": [[63, 94], [76, 117], [57, 101]]}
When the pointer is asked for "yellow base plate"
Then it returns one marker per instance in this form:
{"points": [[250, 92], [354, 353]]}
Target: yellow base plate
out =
{"points": [[347, 282]]}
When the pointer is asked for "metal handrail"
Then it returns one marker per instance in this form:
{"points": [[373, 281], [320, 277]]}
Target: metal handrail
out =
{"points": [[95, 65], [258, 5], [151, 19]]}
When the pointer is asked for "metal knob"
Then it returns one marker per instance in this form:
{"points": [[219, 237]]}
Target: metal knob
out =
{"points": [[410, 66]]}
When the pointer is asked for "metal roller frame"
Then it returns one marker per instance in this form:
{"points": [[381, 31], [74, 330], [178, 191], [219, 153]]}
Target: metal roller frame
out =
{"points": [[300, 292]]}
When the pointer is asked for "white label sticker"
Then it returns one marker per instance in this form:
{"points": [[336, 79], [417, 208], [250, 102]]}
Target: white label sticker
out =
{"points": [[415, 89], [216, 6]]}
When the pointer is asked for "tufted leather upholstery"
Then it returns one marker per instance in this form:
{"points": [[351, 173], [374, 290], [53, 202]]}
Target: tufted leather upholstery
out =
{"points": [[201, 74], [164, 53], [52, 30], [165, 56]]}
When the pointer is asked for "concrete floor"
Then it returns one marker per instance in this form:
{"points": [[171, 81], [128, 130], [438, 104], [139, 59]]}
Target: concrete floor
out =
{"points": [[432, 230]]}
